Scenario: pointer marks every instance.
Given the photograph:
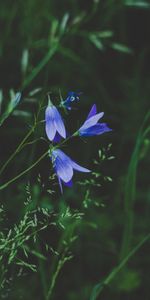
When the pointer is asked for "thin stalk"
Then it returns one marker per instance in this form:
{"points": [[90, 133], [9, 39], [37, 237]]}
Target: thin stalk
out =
{"points": [[20, 146], [66, 140], [125, 260], [130, 190], [100, 286], [34, 164], [24, 172], [17, 150], [59, 262], [40, 66]]}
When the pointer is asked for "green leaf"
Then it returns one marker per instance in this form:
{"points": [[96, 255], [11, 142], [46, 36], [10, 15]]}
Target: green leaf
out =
{"points": [[96, 41], [105, 34], [137, 4], [15, 99], [20, 113], [63, 23], [24, 60], [121, 48]]}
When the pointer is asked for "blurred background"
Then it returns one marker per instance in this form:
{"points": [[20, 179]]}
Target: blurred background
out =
{"points": [[101, 49]]}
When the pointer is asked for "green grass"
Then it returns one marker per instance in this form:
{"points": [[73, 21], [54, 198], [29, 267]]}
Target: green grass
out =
{"points": [[92, 241]]}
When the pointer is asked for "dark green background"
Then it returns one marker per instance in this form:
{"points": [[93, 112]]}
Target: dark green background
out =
{"points": [[118, 81]]}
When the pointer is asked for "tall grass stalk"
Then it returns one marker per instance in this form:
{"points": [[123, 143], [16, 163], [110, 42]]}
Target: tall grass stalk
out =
{"points": [[130, 189], [100, 286], [58, 262], [5, 185]]}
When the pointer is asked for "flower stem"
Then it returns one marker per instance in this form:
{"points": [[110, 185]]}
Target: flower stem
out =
{"points": [[17, 150], [66, 140], [23, 172], [41, 64], [23, 141], [100, 286]]}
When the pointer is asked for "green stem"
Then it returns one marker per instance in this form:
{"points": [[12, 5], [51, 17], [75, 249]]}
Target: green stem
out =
{"points": [[125, 260], [24, 172], [40, 66], [22, 142], [41, 269], [100, 286], [2, 274], [58, 262], [66, 140], [17, 150], [130, 190]]}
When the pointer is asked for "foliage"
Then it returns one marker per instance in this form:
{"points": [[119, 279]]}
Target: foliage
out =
{"points": [[91, 242]]}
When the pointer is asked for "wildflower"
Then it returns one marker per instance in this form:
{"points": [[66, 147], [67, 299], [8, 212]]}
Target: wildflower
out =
{"points": [[54, 123], [64, 167], [91, 126], [71, 97]]}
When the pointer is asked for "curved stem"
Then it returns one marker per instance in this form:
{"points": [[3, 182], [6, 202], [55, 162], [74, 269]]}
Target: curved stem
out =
{"points": [[125, 260], [66, 140], [17, 150], [59, 262], [23, 141], [41, 64], [100, 286], [23, 172]]}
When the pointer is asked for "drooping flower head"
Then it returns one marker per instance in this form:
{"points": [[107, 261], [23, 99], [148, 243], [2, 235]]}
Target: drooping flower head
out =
{"points": [[91, 126], [71, 97], [64, 166], [54, 124]]}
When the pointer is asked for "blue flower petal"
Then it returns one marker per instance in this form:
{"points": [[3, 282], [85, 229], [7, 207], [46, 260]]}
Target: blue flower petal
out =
{"points": [[59, 123], [97, 129], [69, 183], [54, 123], [91, 121], [78, 167], [92, 112], [57, 138], [63, 165], [71, 97], [50, 126]]}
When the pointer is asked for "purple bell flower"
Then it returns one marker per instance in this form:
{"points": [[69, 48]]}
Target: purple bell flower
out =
{"points": [[91, 126], [54, 124], [71, 97], [64, 167]]}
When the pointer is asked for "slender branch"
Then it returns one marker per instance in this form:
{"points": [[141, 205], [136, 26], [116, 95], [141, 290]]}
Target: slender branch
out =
{"points": [[125, 260], [41, 64], [21, 145], [100, 286], [61, 263], [17, 150], [24, 172]]}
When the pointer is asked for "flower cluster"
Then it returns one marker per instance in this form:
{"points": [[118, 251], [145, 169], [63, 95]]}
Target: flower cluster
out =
{"points": [[71, 97], [55, 130]]}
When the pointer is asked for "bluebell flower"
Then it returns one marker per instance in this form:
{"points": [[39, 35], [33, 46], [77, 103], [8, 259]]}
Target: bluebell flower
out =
{"points": [[91, 126], [64, 166], [71, 97], [54, 123]]}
